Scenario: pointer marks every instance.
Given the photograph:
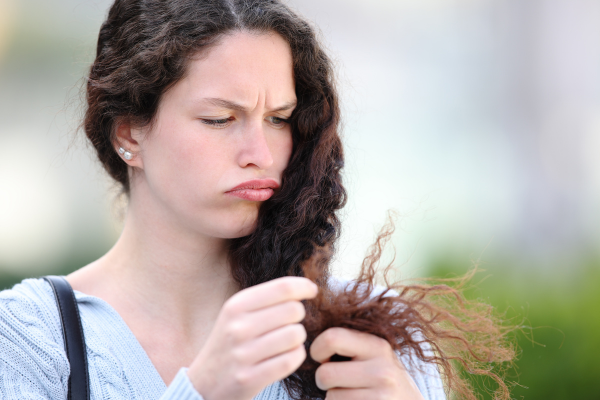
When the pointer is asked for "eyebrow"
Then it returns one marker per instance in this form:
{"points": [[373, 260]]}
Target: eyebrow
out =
{"points": [[238, 107]]}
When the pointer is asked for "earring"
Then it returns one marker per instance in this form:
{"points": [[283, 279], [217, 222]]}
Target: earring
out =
{"points": [[126, 154]]}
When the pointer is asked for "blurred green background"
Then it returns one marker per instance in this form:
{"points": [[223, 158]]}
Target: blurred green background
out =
{"points": [[477, 120]]}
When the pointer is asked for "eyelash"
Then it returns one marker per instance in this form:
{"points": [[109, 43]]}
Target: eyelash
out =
{"points": [[217, 123], [282, 122], [222, 123]]}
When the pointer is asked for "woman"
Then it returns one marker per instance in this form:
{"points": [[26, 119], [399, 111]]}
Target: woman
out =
{"points": [[219, 118]]}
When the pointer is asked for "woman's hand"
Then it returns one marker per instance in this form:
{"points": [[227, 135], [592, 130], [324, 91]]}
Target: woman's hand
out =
{"points": [[257, 340], [373, 373]]}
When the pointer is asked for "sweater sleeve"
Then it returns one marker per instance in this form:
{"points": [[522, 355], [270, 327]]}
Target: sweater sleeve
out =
{"points": [[33, 363], [181, 388]]}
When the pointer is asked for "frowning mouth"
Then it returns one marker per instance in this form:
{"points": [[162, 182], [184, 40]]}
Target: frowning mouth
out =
{"points": [[254, 190]]}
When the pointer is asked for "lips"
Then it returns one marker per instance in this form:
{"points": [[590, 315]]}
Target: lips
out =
{"points": [[254, 190]]}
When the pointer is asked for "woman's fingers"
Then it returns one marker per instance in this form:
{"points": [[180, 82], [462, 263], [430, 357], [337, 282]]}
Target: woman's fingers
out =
{"points": [[250, 323], [374, 371], [267, 319], [278, 367], [347, 342], [378, 378], [356, 374], [349, 394], [272, 344], [344, 374], [270, 293], [256, 340]]}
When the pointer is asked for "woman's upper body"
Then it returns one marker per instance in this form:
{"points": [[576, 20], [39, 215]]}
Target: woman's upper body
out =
{"points": [[220, 120], [34, 365], [171, 258]]}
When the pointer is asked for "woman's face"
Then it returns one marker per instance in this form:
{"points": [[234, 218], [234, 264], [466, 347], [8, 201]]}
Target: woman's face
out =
{"points": [[220, 127]]}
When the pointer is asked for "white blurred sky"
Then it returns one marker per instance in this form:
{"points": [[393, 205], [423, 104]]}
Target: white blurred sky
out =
{"points": [[478, 120]]}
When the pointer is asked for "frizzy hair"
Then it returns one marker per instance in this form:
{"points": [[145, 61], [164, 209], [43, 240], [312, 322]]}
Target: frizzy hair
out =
{"points": [[144, 48], [430, 321]]}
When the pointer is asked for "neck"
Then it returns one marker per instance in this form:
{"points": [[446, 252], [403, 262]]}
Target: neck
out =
{"points": [[160, 271]]}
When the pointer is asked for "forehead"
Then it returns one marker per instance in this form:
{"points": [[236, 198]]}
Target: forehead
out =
{"points": [[244, 67]]}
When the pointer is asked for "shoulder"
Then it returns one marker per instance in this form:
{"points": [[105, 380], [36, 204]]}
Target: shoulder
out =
{"points": [[30, 304], [425, 375], [31, 342]]}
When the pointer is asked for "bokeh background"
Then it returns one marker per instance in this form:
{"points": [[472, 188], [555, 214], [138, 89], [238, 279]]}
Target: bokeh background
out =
{"points": [[478, 121]]}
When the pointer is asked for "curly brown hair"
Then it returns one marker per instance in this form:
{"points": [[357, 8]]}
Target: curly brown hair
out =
{"points": [[429, 320], [143, 49]]}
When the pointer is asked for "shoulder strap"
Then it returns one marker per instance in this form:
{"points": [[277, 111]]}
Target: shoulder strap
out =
{"points": [[73, 335]]}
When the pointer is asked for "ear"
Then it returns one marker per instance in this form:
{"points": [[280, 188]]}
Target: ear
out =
{"points": [[127, 144]]}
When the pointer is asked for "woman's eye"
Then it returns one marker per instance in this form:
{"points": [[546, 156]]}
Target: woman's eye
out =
{"points": [[278, 122], [218, 123]]}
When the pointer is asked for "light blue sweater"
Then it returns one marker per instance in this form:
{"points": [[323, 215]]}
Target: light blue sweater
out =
{"points": [[34, 365]]}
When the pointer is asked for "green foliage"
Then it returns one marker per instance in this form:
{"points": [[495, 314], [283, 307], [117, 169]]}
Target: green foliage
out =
{"points": [[559, 313]]}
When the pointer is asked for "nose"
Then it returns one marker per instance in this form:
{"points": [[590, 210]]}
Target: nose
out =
{"points": [[255, 149]]}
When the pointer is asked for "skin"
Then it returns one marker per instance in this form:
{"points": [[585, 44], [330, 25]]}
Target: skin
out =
{"points": [[168, 276], [374, 371]]}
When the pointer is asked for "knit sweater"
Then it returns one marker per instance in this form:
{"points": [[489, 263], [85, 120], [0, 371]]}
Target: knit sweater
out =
{"points": [[34, 365]]}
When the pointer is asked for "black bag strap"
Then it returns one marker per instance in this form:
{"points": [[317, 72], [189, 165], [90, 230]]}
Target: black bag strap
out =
{"points": [[73, 335]]}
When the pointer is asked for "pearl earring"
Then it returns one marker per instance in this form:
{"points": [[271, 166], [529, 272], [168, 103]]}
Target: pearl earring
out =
{"points": [[126, 154]]}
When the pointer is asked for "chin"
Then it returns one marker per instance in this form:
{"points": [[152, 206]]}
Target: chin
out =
{"points": [[237, 227], [236, 233], [245, 232]]}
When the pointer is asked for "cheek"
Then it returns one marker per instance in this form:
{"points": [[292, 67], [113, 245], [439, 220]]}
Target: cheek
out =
{"points": [[183, 161], [202, 168], [282, 151], [202, 158]]}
